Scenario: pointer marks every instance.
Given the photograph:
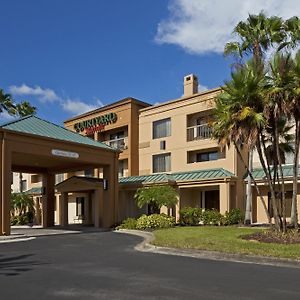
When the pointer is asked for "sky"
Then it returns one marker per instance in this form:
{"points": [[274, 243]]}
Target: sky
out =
{"points": [[68, 57]]}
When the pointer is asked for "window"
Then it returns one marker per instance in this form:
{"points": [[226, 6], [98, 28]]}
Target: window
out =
{"points": [[89, 173], [162, 163], [206, 156], [117, 135], [79, 206], [121, 168], [59, 178], [162, 128], [23, 185]]}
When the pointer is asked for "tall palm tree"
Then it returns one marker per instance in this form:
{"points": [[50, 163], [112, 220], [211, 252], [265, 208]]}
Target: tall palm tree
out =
{"points": [[256, 35], [239, 115], [295, 111]]}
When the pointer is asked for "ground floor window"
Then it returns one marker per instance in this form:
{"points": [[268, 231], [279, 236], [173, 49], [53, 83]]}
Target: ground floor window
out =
{"points": [[212, 200]]}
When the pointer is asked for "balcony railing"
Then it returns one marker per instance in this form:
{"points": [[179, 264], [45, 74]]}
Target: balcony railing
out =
{"points": [[120, 144], [199, 132]]}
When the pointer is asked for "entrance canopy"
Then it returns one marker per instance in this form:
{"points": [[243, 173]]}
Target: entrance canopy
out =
{"points": [[33, 145]]}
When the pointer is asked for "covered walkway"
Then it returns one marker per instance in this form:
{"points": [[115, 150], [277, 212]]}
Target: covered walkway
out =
{"points": [[33, 145]]}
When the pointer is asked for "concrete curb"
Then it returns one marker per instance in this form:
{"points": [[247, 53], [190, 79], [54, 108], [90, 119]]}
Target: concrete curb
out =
{"points": [[145, 246]]}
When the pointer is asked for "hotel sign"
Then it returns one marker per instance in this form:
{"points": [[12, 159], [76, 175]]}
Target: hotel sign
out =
{"points": [[96, 124], [64, 153]]}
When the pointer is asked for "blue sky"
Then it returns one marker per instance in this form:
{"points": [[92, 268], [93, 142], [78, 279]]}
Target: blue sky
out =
{"points": [[66, 57]]}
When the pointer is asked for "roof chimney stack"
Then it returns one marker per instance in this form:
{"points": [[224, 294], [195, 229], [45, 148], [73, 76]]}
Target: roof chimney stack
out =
{"points": [[190, 85]]}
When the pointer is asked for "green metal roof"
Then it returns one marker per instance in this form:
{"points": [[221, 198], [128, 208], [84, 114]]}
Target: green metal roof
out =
{"points": [[258, 173], [37, 126], [34, 191], [178, 176]]}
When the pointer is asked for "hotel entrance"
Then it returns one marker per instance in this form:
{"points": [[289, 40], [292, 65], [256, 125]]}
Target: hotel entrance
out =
{"points": [[32, 145]]}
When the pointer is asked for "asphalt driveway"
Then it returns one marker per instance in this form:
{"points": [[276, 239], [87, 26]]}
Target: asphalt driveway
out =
{"points": [[105, 265]]}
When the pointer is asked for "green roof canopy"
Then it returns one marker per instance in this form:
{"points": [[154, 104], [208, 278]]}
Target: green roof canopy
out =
{"points": [[37, 126], [178, 176], [258, 173]]}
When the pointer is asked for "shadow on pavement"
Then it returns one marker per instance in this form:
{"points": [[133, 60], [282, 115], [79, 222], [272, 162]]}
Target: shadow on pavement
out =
{"points": [[14, 265]]}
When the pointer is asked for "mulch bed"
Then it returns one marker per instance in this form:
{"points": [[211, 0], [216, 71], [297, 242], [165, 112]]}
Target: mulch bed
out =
{"points": [[271, 236]]}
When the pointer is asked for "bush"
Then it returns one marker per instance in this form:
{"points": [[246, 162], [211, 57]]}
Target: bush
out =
{"points": [[232, 217], [129, 223], [190, 216], [155, 221], [212, 217], [19, 220]]}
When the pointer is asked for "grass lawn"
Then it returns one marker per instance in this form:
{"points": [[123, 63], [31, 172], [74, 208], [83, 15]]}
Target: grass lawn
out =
{"points": [[222, 239]]}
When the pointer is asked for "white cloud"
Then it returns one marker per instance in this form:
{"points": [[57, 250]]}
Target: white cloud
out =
{"points": [[202, 88], [76, 106], [203, 26], [5, 117], [44, 95]]}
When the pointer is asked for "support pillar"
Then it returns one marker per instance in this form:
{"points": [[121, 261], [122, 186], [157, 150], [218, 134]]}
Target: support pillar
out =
{"points": [[111, 194], [5, 188], [63, 209], [48, 199], [224, 197], [98, 208], [86, 212]]}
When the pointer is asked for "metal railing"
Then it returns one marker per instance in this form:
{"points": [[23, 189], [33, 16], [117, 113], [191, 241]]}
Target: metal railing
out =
{"points": [[120, 144], [199, 132]]}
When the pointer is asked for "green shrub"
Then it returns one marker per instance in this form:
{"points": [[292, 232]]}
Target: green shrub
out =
{"points": [[190, 216], [129, 223], [232, 217], [155, 221], [212, 217], [19, 220]]}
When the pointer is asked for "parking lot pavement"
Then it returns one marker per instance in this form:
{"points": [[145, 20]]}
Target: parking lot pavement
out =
{"points": [[104, 265]]}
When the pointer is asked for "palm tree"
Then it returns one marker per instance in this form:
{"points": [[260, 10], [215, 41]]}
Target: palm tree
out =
{"points": [[256, 35], [295, 111], [239, 115], [6, 103], [25, 109]]}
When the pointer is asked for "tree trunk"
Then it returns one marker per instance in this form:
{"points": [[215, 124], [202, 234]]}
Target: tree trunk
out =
{"points": [[282, 191], [294, 212], [249, 190], [255, 184], [269, 181]]}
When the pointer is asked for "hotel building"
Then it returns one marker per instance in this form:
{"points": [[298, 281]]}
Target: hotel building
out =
{"points": [[168, 143]]}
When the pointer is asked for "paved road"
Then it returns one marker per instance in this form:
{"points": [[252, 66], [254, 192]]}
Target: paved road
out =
{"points": [[105, 266]]}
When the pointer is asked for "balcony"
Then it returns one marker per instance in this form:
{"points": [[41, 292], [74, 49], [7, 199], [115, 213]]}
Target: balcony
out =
{"points": [[199, 132], [120, 144]]}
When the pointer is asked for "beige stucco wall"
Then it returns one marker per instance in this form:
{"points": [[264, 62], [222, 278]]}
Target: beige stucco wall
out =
{"points": [[258, 211], [177, 143]]}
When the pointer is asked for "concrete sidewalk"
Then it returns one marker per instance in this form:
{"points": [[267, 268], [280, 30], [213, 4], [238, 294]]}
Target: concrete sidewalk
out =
{"points": [[27, 233]]}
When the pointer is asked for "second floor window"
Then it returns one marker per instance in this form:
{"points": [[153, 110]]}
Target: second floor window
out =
{"points": [[207, 156], [162, 128], [162, 163]]}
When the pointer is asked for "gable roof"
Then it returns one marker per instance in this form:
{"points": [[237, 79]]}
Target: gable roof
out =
{"points": [[177, 176], [36, 126]]}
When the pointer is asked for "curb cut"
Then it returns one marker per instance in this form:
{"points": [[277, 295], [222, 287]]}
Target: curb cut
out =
{"points": [[145, 246]]}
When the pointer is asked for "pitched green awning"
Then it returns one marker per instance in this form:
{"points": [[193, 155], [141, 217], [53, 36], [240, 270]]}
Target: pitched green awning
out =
{"points": [[259, 174], [34, 191], [36, 126], [178, 177]]}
